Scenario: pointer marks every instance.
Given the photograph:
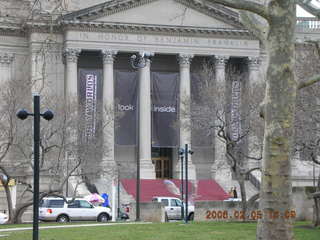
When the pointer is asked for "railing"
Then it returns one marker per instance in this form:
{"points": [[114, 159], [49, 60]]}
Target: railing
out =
{"points": [[254, 180], [307, 24]]}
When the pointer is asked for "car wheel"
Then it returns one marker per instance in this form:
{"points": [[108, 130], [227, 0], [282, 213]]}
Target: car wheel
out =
{"points": [[63, 218], [103, 217], [191, 216]]}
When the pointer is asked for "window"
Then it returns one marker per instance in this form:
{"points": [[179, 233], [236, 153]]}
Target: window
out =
{"points": [[174, 203], [75, 204], [55, 203], [85, 204], [165, 202], [178, 203]]}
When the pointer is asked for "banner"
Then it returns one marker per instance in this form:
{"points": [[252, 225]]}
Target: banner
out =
{"points": [[165, 88], [125, 106], [90, 82]]}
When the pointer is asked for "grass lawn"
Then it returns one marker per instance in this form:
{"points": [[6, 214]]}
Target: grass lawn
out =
{"points": [[160, 231]]}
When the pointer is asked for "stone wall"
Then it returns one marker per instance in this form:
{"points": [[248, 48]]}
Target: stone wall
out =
{"points": [[149, 212]]}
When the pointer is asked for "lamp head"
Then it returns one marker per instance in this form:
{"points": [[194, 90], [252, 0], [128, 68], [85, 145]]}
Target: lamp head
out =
{"points": [[181, 151], [22, 114], [47, 115], [4, 178]]}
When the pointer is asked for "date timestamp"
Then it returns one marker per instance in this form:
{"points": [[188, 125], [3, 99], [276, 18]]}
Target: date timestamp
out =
{"points": [[251, 215]]}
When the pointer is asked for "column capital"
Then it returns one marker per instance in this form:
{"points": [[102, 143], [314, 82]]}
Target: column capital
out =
{"points": [[220, 61], [253, 62], [147, 56], [185, 59], [108, 55], [6, 58], [71, 54]]}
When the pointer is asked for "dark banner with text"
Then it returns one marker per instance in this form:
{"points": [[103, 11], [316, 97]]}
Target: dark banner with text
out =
{"points": [[90, 83], [125, 106], [165, 89]]}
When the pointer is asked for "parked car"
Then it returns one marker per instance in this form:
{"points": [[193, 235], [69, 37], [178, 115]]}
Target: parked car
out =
{"points": [[56, 209], [173, 208], [3, 218]]}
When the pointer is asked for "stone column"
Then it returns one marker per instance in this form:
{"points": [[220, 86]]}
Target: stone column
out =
{"points": [[108, 108], [5, 66], [71, 73], [255, 91], [71, 99], [147, 170], [185, 98], [220, 165], [254, 80]]}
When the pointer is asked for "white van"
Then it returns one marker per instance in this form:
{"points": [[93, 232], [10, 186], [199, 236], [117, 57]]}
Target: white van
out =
{"points": [[56, 209]]}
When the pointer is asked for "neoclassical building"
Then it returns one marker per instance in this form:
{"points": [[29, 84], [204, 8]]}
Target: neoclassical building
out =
{"points": [[88, 53]]}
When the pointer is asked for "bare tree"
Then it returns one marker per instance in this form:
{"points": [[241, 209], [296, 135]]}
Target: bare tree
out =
{"points": [[307, 122], [224, 120], [276, 32]]}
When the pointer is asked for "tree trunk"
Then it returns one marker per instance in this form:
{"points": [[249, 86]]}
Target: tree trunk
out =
{"points": [[280, 98], [19, 211], [243, 198], [9, 201], [316, 209]]}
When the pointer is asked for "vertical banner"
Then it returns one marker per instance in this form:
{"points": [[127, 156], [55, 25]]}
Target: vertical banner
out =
{"points": [[235, 117], [164, 109], [201, 133], [126, 104], [90, 80]]}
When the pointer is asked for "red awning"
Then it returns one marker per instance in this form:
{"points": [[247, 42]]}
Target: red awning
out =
{"points": [[199, 190]]}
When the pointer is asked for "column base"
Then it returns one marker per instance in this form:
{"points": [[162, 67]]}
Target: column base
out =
{"points": [[191, 171], [147, 169]]}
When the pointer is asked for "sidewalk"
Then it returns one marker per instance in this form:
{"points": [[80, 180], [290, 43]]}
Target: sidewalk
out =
{"points": [[70, 226]]}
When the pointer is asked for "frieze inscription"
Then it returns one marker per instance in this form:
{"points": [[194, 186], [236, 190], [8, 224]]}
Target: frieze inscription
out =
{"points": [[162, 40]]}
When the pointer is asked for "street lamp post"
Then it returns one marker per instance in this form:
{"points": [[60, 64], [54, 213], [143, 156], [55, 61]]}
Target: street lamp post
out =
{"points": [[187, 185], [48, 115], [181, 153], [137, 62], [186, 152], [118, 193]]}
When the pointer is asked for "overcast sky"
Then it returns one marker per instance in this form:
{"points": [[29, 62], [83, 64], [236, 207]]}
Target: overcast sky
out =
{"points": [[303, 13]]}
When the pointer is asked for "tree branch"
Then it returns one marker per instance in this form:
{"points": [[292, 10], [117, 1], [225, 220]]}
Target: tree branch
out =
{"points": [[253, 24], [250, 6], [309, 82]]}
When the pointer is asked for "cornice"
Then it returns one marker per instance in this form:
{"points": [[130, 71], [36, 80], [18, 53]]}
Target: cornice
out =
{"points": [[42, 27], [11, 30], [155, 29]]}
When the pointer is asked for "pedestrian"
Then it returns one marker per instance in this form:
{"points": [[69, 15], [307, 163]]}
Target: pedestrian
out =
{"points": [[235, 194], [231, 193]]}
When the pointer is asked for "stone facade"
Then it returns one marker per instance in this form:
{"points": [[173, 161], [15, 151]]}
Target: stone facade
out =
{"points": [[47, 53]]}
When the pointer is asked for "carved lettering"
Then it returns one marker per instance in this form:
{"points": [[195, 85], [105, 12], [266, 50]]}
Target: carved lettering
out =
{"points": [[84, 36], [112, 37], [166, 40]]}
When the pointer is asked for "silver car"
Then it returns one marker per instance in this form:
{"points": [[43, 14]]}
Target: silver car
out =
{"points": [[56, 209]]}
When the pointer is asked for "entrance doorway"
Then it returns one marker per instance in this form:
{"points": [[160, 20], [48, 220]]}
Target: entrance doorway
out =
{"points": [[162, 160]]}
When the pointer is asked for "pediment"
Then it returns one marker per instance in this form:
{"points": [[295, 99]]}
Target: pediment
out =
{"points": [[182, 13]]}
